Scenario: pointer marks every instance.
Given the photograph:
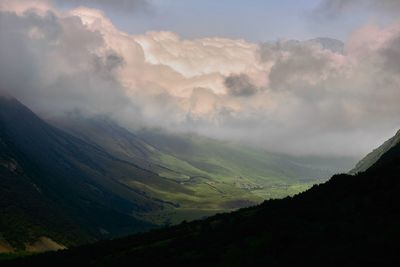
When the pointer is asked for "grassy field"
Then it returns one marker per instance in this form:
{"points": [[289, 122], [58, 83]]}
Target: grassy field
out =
{"points": [[92, 179], [189, 175], [218, 176]]}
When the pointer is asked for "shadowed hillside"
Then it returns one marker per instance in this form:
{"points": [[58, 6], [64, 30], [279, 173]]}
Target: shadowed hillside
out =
{"points": [[55, 185], [347, 221], [375, 155], [95, 180], [217, 176]]}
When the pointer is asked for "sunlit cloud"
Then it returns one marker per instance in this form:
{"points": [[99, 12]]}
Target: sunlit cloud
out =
{"points": [[319, 96]]}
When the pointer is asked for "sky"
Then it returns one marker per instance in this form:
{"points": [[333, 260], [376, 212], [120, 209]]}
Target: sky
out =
{"points": [[256, 72], [255, 20]]}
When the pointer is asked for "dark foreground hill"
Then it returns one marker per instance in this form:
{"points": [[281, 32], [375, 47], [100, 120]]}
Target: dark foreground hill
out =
{"points": [[53, 185], [376, 154], [348, 221]]}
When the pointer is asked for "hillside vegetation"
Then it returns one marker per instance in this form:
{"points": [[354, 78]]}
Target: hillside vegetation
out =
{"points": [[347, 221], [86, 179]]}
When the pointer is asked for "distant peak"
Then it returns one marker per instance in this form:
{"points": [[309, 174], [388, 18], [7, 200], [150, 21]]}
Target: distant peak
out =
{"points": [[327, 43]]}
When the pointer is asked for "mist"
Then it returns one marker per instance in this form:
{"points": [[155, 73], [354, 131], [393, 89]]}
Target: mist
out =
{"points": [[301, 97]]}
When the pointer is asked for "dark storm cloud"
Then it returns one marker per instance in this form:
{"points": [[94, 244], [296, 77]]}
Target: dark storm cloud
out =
{"points": [[107, 64], [240, 85]]}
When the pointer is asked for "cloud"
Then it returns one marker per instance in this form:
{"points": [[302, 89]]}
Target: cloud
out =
{"points": [[116, 5], [21, 6], [240, 85], [333, 8], [316, 97], [199, 56], [55, 63], [336, 93]]}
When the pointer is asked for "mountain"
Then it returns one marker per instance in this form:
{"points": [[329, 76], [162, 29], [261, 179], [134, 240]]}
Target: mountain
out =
{"points": [[218, 176], [347, 221], [375, 155], [80, 179], [58, 187], [235, 163], [334, 45]]}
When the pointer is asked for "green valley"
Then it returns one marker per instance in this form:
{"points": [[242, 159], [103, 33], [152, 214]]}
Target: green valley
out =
{"points": [[100, 180]]}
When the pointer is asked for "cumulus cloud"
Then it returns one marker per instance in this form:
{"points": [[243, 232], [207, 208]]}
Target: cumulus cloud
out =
{"points": [[54, 63], [21, 6], [116, 5], [317, 97]]}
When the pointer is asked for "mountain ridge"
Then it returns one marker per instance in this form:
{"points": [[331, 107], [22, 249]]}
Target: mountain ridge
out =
{"points": [[371, 158], [43, 160], [103, 180], [347, 221]]}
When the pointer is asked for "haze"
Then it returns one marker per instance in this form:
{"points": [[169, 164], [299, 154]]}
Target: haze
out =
{"points": [[304, 78]]}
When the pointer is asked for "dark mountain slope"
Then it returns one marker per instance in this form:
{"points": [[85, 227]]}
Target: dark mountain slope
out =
{"points": [[104, 133], [208, 175], [348, 221], [375, 155], [26, 213], [56, 185], [93, 179]]}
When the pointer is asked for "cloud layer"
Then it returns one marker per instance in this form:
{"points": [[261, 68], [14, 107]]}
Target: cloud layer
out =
{"points": [[116, 5], [300, 97], [336, 7]]}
